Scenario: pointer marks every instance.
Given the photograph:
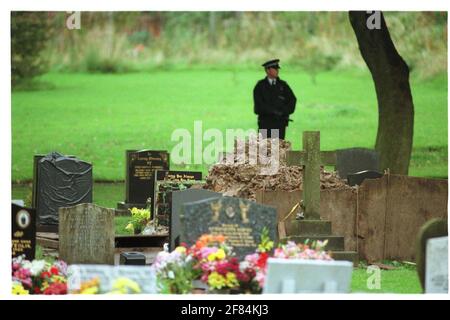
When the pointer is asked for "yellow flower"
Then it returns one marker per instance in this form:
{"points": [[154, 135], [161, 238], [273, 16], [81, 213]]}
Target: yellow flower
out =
{"points": [[90, 290], [220, 254], [216, 281], [19, 289], [125, 286], [231, 280], [180, 249], [129, 227]]}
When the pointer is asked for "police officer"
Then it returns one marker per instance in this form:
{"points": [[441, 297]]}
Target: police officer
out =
{"points": [[273, 100]]}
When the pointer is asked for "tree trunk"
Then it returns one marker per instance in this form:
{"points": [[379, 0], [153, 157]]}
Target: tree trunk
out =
{"points": [[390, 74]]}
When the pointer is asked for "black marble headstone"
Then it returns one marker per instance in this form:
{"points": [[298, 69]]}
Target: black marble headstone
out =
{"points": [[165, 182], [178, 199], [241, 221], [139, 174], [23, 231], [354, 160], [358, 177], [61, 182]]}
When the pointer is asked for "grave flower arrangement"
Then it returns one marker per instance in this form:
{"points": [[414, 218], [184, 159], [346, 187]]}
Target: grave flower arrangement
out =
{"points": [[212, 261], [139, 219], [38, 277]]}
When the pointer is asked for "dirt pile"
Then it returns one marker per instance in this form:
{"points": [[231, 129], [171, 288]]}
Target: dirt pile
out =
{"points": [[236, 175]]}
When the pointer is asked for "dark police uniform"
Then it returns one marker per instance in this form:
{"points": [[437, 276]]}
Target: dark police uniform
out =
{"points": [[273, 103]]}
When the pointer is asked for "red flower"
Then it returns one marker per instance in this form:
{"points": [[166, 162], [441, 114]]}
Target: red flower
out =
{"points": [[45, 274], [262, 260], [37, 290], [54, 270], [56, 288]]}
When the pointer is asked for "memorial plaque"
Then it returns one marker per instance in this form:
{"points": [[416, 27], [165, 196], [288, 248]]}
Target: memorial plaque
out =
{"points": [[86, 234], [241, 221], [307, 276], [144, 276], [139, 174], [61, 182], [178, 199], [23, 231], [165, 182]]}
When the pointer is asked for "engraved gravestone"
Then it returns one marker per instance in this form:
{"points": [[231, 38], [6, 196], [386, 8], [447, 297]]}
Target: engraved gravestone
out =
{"points": [[241, 221], [353, 160], [61, 181], [86, 234], [165, 182], [23, 222], [436, 268], [178, 199], [140, 166], [107, 275]]}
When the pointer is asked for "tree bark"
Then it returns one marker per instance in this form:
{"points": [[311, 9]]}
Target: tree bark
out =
{"points": [[390, 74]]}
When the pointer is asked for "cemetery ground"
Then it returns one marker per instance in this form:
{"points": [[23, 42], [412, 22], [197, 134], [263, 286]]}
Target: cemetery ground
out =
{"points": [[98, 117]]}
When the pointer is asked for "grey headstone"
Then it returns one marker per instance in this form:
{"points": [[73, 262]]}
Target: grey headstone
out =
{"points": [[436, 269], [240, 220], [307, 276], [61, 182], [354, 160], [107, 275], [359, 177], [178, 199], [434, 228], [23, 223], [86, 234]]}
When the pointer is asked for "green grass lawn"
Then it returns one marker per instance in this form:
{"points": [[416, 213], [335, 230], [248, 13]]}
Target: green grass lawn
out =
{"points": [[97, 117]]}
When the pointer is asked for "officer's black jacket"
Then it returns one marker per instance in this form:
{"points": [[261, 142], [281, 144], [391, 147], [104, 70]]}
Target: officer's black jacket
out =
{"points": [[273, 102]]}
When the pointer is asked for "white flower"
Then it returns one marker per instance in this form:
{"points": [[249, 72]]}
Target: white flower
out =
{"points": [[36, 267], [171, 275]]}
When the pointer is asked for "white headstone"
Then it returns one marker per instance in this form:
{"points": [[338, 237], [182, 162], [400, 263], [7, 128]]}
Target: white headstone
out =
{"points": [[308, 276], [436, 266], [144, 276]]}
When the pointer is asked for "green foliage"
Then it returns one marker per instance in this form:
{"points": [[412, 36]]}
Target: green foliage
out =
{"points": [[29, 35], [316, 41]]}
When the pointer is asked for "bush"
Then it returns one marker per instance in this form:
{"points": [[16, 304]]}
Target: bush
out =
{"points": [[29, 35]]}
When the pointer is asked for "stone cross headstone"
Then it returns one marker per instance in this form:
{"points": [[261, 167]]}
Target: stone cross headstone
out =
{"points": [[311, 158], [307, 276], [178, 199], [353, 160], [107, 275], [165, 182], [241, 221], [140, 166], [86, 234], [359, 177], [434, 228], [23, 222], [436, 268], [61, 182]]}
